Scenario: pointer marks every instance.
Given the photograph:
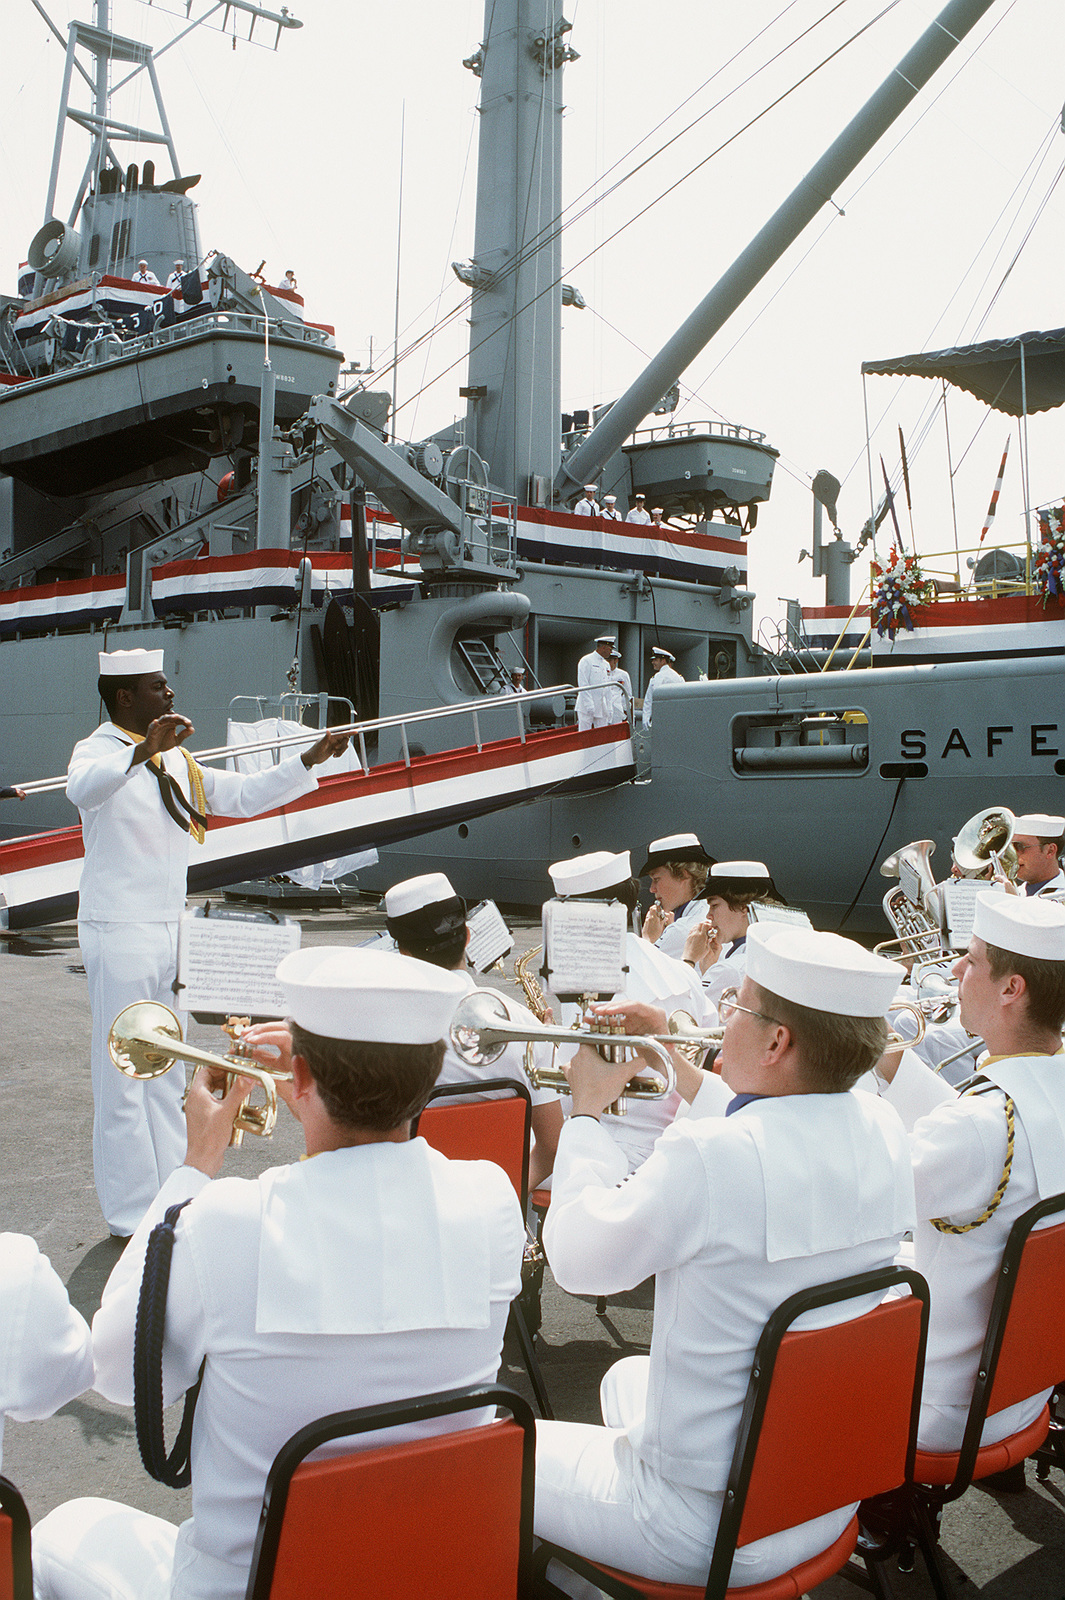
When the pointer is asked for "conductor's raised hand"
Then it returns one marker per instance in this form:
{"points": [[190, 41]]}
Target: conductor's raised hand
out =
{"points": [[165, 733], [330, 744], [210, 1121]]}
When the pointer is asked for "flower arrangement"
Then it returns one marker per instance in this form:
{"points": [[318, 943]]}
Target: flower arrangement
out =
{"points": [[1049, 571], [897, 588]]}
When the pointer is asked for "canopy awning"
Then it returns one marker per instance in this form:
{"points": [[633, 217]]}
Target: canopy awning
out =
{"points": [[992, 371]]}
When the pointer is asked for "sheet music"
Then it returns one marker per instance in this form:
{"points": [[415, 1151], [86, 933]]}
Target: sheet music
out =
{"points": [[584, 946], [910, 881], [490, 938], [227, 962], [791, 915], [960, 895]]}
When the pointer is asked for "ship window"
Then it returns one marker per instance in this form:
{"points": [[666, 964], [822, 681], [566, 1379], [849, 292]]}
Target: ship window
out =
{"points": [[120, 239], [798, 744], [94, 249]]}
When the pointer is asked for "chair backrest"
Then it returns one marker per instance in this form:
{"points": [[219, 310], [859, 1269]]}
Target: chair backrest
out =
{"points": [[447, 1515], [476, 1129], [831, 1413], [16, 1579], [1024, 1346]]}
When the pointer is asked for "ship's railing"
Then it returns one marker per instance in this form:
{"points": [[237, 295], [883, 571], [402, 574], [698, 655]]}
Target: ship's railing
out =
{"points": [[978, 572], [688, 430]]}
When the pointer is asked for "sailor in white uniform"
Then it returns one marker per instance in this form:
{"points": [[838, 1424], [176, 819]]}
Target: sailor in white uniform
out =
{"points": [[1012, 993], [45, 1345], [427, 919], [374, 1271], [142, 800], [777, 1180], [587, 505], [610, 509], [1037, 839], [639, 512], [621, 695], [595, 697], [652, 978], [718, 943], [662, 672], [677, 866]]}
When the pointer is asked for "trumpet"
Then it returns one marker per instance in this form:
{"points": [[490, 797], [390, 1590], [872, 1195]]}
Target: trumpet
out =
{"points": [[145, 1041], [896, 1043], [482, 1028]]}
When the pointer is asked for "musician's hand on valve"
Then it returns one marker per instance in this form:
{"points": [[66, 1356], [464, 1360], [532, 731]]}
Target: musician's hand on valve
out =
{"points": [[269, 1045], [703, 945], [210, 1121], [656, 922], [595, 1083], [637, 1015], [330, 744]]}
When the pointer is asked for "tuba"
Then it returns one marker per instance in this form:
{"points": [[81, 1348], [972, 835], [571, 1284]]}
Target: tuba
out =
{"points": [[145, 1041], [911, 906], [985, 839]]}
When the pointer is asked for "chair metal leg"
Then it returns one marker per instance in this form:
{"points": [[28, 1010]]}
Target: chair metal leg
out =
{"points": [[926, 1526], [532, 1365]]}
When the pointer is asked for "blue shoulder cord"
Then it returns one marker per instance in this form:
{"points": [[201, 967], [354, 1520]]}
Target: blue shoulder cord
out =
{"points": [[174, 1470]]}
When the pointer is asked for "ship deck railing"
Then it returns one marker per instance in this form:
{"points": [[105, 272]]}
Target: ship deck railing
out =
{"points": [[688, 430]]}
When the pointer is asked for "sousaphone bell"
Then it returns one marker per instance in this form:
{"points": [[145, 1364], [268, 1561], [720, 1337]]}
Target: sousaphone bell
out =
{"points": [[145, 1041]]}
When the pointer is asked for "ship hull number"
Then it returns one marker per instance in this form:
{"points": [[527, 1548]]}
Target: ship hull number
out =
{"points": [[1036, 738]]}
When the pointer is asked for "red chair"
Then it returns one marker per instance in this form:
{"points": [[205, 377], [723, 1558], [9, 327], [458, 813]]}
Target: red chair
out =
{"points": [[449, 1515], [476, 1129], [16, 1578], [1022, 1354], [817, 1431]]}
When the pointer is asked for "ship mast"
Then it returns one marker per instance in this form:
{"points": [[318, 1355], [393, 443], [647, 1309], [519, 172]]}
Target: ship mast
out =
{"points": [[514, 384]]}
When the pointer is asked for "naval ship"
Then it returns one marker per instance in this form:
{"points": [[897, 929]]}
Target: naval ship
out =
{"points": [[185, 465]]}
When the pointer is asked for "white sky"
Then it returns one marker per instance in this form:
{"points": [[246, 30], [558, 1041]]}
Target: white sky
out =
{"points": [[300, 156]]}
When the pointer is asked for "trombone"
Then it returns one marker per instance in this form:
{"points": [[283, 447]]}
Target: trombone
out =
{"points": [[482, 1028], [145, 1041]]}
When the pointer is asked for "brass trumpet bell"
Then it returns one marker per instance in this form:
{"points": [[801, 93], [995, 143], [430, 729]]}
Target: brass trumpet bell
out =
{"points": [[482, 1028], [146, 1040]]}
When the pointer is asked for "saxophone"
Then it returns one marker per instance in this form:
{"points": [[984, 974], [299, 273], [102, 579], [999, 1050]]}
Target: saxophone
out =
{"points": [[535, 998]]}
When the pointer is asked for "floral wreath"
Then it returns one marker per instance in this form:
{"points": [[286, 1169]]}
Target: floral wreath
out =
{"points": [[1049, 571], [897, 588]]}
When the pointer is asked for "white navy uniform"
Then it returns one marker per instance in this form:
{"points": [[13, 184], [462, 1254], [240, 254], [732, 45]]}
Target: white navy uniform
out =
{"points": [[45, 1346], [131, 898], [362, 1276], [657, 980], [732, 1215], [586, 507], [595, 696], [728, 971], [958, 1147], [665, 674], [686, 919], [611, 514], [638, 514], [620, 694]]}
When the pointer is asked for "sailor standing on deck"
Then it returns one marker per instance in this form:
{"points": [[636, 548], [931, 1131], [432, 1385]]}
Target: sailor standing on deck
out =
{"points": [[639, 512], [610, 508], [142, 800], [777, 1180], [587, 505], [662, 672], [173, 283], [142, 274], [375, 1270], [595, 694], [622, 687], [1037, 840]]}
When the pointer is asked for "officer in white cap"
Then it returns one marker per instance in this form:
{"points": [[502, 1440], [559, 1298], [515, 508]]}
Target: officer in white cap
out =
{"points": [[621, 701], [610, 508], [1037, 839], [427, 919], [986, 1152], [639, 512], [372, 1271], [777, 1180], [143, 802], [662, 672], [587, 505], [595, 699], [677, 866], [652, 979]]}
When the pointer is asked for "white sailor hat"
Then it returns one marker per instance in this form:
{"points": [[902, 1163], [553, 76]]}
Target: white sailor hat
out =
{"points": [[413, 893], [610, 498], [371, 995], [657, 650], [1037, 825], [129, 663], [656, 511], [591, 486], [641, 497], [605, 638], [821, 970], [589, 874], [741, 877], [675, 847], [425, 914], [1024, 926]]}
